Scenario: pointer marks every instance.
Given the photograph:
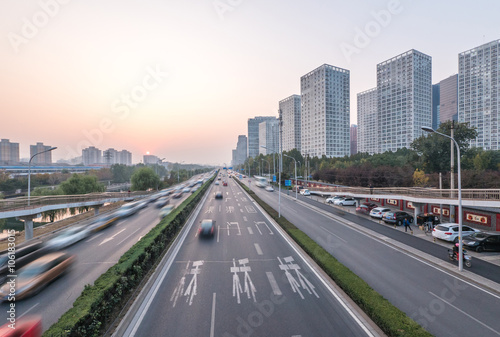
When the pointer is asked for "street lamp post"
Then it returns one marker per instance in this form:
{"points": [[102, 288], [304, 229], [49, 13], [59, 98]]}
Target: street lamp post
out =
{"points": [[295, 164], [460, 252], [29, 170]]}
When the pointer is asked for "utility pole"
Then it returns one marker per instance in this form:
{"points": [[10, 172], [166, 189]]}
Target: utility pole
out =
{"points": [[452, 175]]}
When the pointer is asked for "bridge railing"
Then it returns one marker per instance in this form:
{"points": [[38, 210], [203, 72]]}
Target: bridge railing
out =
{"points": [[35, 202]]}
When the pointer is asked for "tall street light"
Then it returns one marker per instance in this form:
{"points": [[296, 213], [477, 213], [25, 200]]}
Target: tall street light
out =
{"points": [[274, 167], [295, 174], [460, 253], [29, 170]]}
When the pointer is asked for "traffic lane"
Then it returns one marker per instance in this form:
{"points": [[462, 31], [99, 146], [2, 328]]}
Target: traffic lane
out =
{"points": [[392, 274], [229, 267]]}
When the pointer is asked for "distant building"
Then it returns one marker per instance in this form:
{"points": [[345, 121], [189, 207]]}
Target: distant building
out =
{"points": [[448, 99], [253, 134], [149, 159], [241, 150], [44, 158], [404, 99], [368, 126], [436, 106], [125, 157], [290, 114], [9, 152], [269, 137], [91, 156], [479, 93], [354, 139], [325, 112]]}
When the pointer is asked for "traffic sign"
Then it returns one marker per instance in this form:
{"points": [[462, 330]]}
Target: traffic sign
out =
{"points": [[274, 179], [288, 183]]}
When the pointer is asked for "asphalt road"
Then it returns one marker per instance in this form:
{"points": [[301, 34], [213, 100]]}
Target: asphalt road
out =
{"points": [[247, 280], [441, 302]]}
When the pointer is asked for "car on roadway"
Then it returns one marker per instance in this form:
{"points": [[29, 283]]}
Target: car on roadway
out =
{"points": [[305, 192], [36, 275], [24, 327], [207, 228], [166, 210], [218, 195], [331, 200], [449, 231], [377, 212], [216, 182], [68, 237], [23, 255], [102, 222], [397, 217], [224, 183], [483, 242], [347, 202], [161, 202], [269, 188], [177, 195]]}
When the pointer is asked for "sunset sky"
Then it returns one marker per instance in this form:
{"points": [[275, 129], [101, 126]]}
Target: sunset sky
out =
{"points": [[180, 78]]}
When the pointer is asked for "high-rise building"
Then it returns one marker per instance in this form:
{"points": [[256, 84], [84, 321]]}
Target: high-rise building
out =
{"points": [[44, 158], [479, 93], [290, 114], [368, 126], [436, 105], [125, 157], [269, 137], [9, 152], [404, 104], [448, 99], [241, 150], [91, 156], [354, 139], [325, 112], [253, 134], [150, 159]]}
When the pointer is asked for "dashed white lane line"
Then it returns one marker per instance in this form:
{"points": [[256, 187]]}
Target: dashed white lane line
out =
{"points": [[273, 283], [212, 322], [329, 232], [250, 230], [258, 249]]}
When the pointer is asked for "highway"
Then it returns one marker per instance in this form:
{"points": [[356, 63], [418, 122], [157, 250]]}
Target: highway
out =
{"points": [[444, 304], [247, 280]]}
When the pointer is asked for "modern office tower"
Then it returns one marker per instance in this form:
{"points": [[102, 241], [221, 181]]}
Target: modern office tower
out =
{"points": [[234, 161], [44, 158], [354, 139], [150, 159], [448, 99], [241, 150], [368, 126], [290, 114], [9, 152], [436, 106], [91, 156], [253, 134], [125, 157], [404, 104], [479, 93], [325, 112], [269, 137]]}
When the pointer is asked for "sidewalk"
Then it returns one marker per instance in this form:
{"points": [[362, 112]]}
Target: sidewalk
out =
{"points": [[491, 257]]}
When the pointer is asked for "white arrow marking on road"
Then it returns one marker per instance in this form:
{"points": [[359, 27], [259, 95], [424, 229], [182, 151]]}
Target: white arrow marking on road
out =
{"points": [[111, 238]]}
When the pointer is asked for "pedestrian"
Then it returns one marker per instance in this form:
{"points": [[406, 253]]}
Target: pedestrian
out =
{"points": [[371, 189], [407, 225]]}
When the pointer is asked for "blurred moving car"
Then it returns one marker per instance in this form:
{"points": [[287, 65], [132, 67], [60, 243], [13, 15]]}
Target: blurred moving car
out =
{"points": [[36, 275], [25, 327], [177, 195], [216, 182], [102, 222], [377, 212], [162, 202], [68, 237], [397, 217], [305, 192], [482, 242], [127, 210], [166, 210], [449, 231], [207, 228], [23, 255], [224, 183], [218, 195], [269, 188]]}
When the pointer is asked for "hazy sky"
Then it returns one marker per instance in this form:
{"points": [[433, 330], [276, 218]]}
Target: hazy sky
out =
{"points": [[180, 78]]}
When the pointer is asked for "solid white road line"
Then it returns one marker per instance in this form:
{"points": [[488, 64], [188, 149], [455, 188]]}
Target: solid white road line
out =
{"points": [[218, 231], [127, 237], [273, 283], [28, 310], [329, 232], [258, 249], [212, 323]]}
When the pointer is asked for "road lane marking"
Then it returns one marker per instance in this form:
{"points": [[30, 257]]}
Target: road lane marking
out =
{"points": [[245, 218], [179, 290], [249, 289], [94, 237], [212, 322], [33, 307], [127, 236], [274, 284], [239, 230], [302, 281], [256, 225], [250, 209], [250, 231], [218, 230], [329, 232], [270, 231], [111, 237], [466, 314], [258, 249]]}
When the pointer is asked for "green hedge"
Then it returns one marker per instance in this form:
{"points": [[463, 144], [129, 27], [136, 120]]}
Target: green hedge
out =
{"points": [[390, 319], [100, 303]]}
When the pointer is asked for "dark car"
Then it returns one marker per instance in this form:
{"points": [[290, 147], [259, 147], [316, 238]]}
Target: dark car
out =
{"points": [[397, 217], [482, 242], [22, 256], [370, 205], [177, 195], [363, 209], [207, 228], [218, 195]]}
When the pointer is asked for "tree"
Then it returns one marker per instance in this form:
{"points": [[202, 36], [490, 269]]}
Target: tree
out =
{"points": [[121, 173], [81, 184], [144, 179], [419, 178]]}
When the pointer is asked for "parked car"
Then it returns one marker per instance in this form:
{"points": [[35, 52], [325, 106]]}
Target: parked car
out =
{"points": [[449, 231], [347, 202], [482, 242], [207, 228], [331, 200], [370, 205], [397, 217], [36, 275], [363, 209], [377, 212]]}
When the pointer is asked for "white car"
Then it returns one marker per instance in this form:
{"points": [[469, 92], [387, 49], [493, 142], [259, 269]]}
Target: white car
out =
{"points": [[216, 182], [347, 202], [449, 231], [68, 237], [269, 188], [377, 212], [332, 200], [305, 192]]}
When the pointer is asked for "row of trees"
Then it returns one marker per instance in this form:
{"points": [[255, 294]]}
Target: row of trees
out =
{"points": [[429, 155]]}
